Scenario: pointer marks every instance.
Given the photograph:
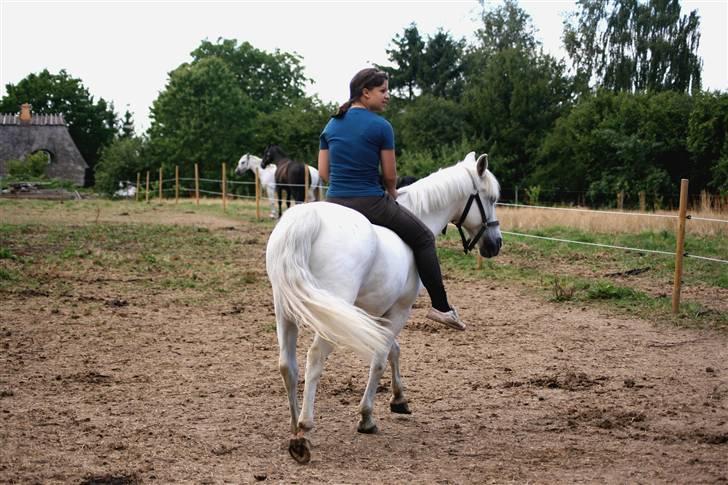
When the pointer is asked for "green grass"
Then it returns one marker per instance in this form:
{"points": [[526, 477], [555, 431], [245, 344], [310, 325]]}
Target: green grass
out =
{"points": [[562, 272]]}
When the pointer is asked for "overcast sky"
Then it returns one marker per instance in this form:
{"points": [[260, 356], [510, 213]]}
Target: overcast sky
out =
{"points": [[123, 50]]}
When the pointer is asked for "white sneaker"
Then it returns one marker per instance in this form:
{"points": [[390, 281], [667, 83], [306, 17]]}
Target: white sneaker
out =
{"points": [[450, 318]]}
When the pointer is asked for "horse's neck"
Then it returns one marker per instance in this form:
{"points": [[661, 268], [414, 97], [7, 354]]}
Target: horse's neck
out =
{"points": [[437, 218]]}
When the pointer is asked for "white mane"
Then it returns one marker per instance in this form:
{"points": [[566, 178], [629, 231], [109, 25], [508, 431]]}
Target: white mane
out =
{"points": [[439, 188]]}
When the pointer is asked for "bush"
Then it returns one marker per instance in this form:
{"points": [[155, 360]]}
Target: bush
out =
{"points": [[32, 167]]}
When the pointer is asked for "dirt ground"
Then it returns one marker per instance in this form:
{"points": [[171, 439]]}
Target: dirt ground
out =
{"points": [[114, 385]]}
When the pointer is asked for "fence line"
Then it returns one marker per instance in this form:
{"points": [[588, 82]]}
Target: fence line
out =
{"points": [[682, 218], [573, 209]]}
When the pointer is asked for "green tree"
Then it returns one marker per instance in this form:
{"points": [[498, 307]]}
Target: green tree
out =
{"points": [[630, 45], [296, 129], [202, 116], [127, 125], [91, 123], [272, 80], [430, 122], [406, 55], [442, 66], [707, 141], [120, 162], [514, 92]]}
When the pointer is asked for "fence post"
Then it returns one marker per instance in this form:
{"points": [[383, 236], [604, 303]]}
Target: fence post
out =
{"points": [[306, 178], [224, 189], [643, 201], [176, 184], [257, 194], [680, 246], [197, 185], [620, 200], [160, 184], [516, 194], [147, 198], [139, 186]]}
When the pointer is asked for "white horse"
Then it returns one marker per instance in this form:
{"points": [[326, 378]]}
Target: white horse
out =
{"points": [[268, 180], [354, 283]]}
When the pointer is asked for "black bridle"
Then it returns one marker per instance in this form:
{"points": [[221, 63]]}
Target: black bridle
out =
{"points": [[484, 225]]}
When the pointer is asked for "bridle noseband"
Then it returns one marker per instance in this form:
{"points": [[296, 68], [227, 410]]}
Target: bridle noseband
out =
{"points": [[469, 244]]}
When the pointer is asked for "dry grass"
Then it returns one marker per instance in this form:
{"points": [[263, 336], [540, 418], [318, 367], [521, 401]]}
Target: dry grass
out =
{"points": [[521, 218]]}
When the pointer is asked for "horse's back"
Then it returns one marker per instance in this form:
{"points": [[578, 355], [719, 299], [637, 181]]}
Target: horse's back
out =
{"points": [[362, 263]]}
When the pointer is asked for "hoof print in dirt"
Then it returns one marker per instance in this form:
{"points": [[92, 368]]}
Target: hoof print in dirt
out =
{"points": [[110, 479]]}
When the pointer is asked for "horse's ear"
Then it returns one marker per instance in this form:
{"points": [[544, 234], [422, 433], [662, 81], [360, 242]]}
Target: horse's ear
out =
{"points": [[482, 164]]}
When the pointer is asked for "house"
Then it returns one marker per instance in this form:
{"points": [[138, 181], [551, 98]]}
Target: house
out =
{"points": [[24, 134]]}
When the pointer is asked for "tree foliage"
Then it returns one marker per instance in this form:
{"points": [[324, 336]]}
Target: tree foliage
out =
{"points": [[120, 161], [630, 45], [91, 123], [202, 116], [274, 80]]}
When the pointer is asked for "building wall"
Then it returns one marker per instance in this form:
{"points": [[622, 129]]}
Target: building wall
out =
{"points": [[67, 163]]}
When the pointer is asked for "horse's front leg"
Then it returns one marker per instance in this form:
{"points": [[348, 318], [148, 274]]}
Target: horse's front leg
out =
{"points": [[366, 407], [272, 200], [280, 201], [398, 403]]}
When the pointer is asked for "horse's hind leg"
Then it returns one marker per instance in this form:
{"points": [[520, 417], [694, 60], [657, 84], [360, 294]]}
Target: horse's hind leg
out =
{"points": [[287, 335], [366, 407], [398, 403], [317, 354]]}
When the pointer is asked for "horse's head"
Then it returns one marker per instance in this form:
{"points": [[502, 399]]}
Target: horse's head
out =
{"points": [[247, 162], [272, 154], [478, 216]]}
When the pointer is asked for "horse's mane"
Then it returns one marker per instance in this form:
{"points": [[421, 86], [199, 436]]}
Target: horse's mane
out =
{"points": [[439, 188]]}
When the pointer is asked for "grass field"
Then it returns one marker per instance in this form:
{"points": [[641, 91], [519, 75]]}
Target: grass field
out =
{"points": [[76, 237]]}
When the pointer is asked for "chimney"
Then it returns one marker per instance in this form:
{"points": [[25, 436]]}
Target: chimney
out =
{"points": [[25, 114]]}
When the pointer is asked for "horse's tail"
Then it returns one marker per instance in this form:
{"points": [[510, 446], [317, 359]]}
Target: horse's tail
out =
{"points": [[298, 296]]}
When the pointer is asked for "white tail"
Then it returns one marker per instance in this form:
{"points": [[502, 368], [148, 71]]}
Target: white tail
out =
{"points": [[298, 296]]}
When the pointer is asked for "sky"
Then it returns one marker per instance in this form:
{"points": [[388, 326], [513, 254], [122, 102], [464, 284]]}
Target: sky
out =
{"points": [[123, 50]]}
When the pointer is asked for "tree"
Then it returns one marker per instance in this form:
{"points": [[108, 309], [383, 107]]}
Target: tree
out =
{"points": [[296, 128], [92, 124], [442, 66], [430, 122], [120, 162], [127, 125], [202, 116], [514, 92], [629, 45], [707, 141], [407, 58], [273, 80]]}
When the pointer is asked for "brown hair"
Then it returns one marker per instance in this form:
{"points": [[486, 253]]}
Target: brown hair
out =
{"points": [[368, 78]]}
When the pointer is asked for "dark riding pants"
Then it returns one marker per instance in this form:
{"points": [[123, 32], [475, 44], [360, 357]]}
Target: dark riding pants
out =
{"points": [[385, 211]]}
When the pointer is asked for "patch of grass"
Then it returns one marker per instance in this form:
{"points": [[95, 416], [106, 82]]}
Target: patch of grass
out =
{"points": [[6, 253], [604, 290]]}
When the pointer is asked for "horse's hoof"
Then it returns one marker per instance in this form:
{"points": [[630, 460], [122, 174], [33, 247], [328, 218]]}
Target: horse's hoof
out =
{"points": [[400, 408], [363, 430], [300, 450]]}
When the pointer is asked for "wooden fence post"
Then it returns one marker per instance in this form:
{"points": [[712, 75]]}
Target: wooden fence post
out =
{"points": [[176, 184], [197, 185], [160, 184], [682, 217], [643, 201], [224, 189], [306, 177], [139, 186], [257, 194], [147, 200], [620, 200]]}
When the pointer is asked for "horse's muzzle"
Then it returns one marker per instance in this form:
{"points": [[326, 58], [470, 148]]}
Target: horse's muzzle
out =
{"points": [[491, 247]]}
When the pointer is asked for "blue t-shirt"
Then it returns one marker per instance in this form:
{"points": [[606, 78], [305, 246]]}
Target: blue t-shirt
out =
{"points": [[354, 143]]}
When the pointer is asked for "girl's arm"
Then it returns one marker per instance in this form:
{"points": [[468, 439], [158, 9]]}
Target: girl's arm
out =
{"points": [[389, 171], [323, 165]]}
